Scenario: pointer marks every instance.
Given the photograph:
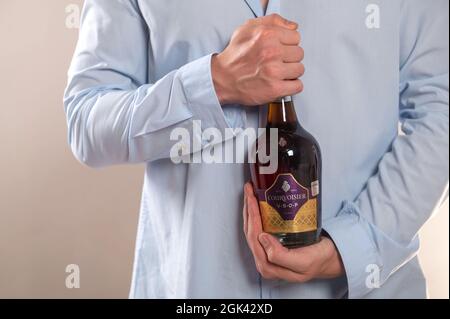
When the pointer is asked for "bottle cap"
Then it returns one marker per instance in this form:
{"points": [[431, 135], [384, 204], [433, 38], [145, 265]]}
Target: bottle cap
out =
{"points": [[284, 99]]}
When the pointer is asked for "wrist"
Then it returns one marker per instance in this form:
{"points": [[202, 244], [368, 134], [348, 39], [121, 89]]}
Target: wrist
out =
{"points": [[332, 266], [222, 84]]}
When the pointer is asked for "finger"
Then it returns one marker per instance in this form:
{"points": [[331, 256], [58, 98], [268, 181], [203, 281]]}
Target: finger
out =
{"points": [[292, 71], [277, 20], [245, 211], [293, 54], [289, 37], [289, 87], [254, 225], [253, 222], [298, 260], [271, 271]]}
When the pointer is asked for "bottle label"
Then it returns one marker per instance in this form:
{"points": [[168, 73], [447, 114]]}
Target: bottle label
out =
{"points": [[287, 206]]}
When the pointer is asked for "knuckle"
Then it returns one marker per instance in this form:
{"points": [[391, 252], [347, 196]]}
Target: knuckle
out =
{"points": [[263, 33], [271, 71], [273, 17], [270, 53], [272, 255]]}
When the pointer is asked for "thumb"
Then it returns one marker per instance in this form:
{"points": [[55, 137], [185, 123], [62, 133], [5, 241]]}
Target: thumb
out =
{"points": [[265, 240], [275, 252]]}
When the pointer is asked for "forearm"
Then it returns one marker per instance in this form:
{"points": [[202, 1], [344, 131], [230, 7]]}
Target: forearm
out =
{"points": [[379, 229], [115, 124]]}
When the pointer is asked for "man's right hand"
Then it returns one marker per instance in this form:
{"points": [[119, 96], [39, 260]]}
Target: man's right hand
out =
{"points": [[261, 63]]}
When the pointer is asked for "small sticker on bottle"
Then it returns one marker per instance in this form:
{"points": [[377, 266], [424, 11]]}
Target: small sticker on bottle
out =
{"points": [[315, 188]]}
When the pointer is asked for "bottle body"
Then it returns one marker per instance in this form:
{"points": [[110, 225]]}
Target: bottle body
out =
{"points": [[290, 198]]}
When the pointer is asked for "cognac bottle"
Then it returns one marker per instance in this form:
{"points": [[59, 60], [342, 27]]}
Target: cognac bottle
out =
{"points": [[290, 198]]}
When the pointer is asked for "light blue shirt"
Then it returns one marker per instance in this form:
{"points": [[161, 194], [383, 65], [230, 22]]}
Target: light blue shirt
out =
{"points": [[142, 68]]}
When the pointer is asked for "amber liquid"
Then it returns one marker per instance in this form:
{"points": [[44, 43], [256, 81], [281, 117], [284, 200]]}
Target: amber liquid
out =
{"points": [[299, 155]]}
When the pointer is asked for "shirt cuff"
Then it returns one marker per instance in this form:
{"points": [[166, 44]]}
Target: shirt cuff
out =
{"points": [[202, 100], [351, 235]]}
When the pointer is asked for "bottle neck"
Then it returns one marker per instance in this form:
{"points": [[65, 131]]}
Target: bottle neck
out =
{"points": [[281, 114]]}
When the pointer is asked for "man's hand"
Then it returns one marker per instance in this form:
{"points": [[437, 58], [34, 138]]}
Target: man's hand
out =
{"points": [[273, 261], [261, 63]]}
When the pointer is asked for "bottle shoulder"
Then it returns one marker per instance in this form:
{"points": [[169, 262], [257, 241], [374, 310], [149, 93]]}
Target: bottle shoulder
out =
{"points": [[300, 137], [298, 146], [294, 143]]}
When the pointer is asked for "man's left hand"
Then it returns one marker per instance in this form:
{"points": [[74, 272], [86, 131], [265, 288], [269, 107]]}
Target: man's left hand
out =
{"points": [[273, 261]]}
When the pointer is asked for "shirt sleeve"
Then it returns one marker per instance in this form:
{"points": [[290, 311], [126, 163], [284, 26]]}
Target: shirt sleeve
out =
{"points": [[114, 115], [379, 229]]}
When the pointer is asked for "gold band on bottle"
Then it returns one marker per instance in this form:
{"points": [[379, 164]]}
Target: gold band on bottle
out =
{"points": [[304, 220]]}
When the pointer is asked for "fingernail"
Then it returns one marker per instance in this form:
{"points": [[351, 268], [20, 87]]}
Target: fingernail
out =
{"points": [[264, 240]]}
